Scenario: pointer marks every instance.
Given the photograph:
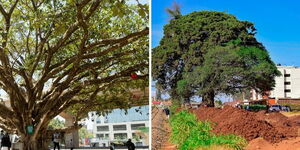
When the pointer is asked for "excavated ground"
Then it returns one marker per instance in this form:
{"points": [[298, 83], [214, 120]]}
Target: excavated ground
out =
{"points": [[273, 127]]}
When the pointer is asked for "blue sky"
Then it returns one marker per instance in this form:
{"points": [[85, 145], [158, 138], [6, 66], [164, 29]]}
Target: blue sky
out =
{"points": [[277, 22]]}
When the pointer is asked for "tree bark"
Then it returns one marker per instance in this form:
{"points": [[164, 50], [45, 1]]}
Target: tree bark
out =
{"points": [[186, 100], [208, 99], [32, 143], [36, 141]]}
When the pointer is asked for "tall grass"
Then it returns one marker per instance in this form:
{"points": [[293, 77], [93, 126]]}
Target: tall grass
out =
{"points": [[188, 133]]}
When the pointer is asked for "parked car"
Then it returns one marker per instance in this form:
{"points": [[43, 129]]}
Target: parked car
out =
{"points": [[276, 108]]}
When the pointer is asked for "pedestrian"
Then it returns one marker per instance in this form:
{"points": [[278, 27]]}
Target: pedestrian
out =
{"points": [[71, 144], [167, 112], [112, 146], [130, 145], [55, 140], [5, 142], [1, 135]]}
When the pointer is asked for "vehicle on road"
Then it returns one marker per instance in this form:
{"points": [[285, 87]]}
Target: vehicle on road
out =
{"points": [[277, 108]]}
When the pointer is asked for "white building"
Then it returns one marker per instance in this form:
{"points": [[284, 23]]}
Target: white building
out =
{"points": [[119, 127], [286, 86]]}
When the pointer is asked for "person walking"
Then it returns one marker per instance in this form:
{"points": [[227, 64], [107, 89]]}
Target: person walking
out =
{"points": [[55, 140], [1, 135], [130, 145], [5, 142], [71, 144], [167, 112], [112, 146]]}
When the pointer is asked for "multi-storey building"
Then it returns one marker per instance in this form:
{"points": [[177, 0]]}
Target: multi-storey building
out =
{"points": [[120, 126], [287, 86]]}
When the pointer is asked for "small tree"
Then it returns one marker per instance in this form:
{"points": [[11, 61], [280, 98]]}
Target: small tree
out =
{"points": [[84, 133], [56, 124], [174, 11]]}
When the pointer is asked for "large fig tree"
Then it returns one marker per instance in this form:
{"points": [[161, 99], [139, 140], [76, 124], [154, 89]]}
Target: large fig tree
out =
{"points": [[70, 56]]}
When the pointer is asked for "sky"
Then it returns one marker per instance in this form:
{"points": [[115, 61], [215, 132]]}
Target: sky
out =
{"points": [[277, 22]]}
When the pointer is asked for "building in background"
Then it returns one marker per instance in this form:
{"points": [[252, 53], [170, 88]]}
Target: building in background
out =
{"points": [[118, 127], [287, 86]]}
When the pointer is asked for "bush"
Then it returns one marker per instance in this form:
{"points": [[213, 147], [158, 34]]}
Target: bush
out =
{"points": [[188, 133]]}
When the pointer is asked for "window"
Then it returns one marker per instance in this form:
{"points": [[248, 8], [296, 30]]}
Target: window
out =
{"points": [[98, 120], [137, 126], [287, 90], [102, 128], [120, 136], [287, 83], [287, 75], [135, 136], [100, 136], [119, 127]]}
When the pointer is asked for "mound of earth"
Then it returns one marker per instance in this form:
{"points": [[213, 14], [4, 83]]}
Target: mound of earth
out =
{"points": [[261, 144], [273, 127]]}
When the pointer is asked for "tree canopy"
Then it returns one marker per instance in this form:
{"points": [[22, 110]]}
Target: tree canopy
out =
{"points": [[207, 52], [69, 55], [56, 124]]}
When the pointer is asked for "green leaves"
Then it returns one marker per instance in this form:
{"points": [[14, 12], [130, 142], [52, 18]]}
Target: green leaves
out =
{"points": [[56, 124], [211, 52], [188, 133]]}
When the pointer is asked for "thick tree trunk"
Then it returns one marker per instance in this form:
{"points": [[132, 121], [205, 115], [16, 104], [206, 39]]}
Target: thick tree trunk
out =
{"points": [[32, 144], [186, 100], [38, 142], [35, 144], [208, 99]]}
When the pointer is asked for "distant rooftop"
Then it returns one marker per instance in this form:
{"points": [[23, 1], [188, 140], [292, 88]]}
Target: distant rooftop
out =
{"points": [[290, 67]]}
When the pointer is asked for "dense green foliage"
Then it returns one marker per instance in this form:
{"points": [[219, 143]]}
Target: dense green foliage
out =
{"points": [[84, 133], [56, 124], [188, 133], [206, 53], [71, 56]]}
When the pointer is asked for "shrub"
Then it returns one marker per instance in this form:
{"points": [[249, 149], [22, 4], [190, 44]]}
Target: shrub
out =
{"points": [[188, 133]]}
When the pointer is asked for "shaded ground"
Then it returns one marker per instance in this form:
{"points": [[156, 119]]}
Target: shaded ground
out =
{"points": [[273, 127]]}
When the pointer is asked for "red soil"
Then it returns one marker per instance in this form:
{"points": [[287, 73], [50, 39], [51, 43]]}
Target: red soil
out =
{"points": [[273, 127], [261, 144]]}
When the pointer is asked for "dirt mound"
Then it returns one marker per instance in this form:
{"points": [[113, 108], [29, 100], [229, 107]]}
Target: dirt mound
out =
{"points": [[272, 127], [261, 144], [295, 120]]}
